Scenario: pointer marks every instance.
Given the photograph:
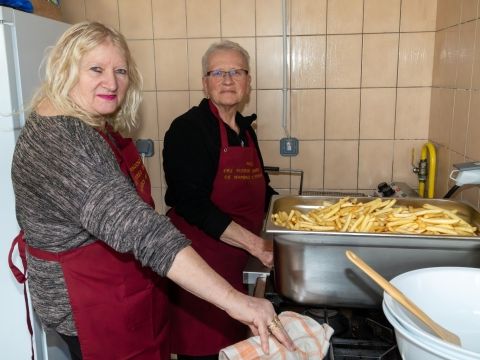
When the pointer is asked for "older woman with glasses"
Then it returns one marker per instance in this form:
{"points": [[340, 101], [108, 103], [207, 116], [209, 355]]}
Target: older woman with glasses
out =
{"points": [[218, 191]]}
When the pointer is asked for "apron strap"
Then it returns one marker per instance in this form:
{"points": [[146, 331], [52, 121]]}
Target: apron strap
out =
{"points": [[19, 275], [21, 278]]}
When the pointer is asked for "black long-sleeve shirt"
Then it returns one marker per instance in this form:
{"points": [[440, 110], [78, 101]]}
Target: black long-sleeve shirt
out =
{"points": [[191, 155]]}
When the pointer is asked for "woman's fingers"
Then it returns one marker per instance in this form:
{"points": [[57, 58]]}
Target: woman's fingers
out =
{"points": [[264, 333], [276, 329], [260, 316]]}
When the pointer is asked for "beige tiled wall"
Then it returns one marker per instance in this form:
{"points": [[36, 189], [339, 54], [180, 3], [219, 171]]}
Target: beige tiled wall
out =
{"points": [[455, 100], [359, 72]]}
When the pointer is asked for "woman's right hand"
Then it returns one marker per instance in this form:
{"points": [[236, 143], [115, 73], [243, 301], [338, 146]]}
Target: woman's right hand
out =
{"points": [[263, 251], [192, 273], [259, 315]]}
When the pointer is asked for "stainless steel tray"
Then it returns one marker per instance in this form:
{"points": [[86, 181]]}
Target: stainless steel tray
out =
{"points": [[311, 267]]}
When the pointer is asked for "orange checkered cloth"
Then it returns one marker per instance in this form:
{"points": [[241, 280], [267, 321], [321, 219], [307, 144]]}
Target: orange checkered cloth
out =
{"points": [[311, 339]]}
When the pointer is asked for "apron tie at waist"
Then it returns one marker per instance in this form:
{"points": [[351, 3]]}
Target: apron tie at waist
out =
{"points": [[21, 277]]}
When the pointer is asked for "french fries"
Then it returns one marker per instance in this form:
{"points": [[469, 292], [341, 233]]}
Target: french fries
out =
{"points": [[378, 216]]}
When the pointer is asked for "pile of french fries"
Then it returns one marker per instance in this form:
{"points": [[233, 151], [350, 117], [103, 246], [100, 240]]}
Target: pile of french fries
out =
{"points": [[378, 216]]}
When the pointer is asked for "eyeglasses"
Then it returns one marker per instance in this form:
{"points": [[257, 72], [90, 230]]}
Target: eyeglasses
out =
{"points": [[235, 74]]}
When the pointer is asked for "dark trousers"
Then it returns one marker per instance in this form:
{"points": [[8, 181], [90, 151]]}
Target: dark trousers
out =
{"points": [[73, 346]]}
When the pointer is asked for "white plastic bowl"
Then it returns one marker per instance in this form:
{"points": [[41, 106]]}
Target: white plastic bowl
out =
{"points": [[413, 347], [451, 297]]}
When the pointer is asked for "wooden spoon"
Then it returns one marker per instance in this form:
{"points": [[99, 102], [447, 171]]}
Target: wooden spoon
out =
{"points": [[395, 293]]}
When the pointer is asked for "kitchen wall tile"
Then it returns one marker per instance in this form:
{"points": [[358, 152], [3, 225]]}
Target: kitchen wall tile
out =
{"points": [[143, 53], [250, 105], [237, 18], [308, 17], [343, 66], [269, 62], [415, 66], [413, 113], [269, 121], [469, 10], [104, 11], [169, 19], [458, 135], [171, 64], [135, 19], [441, 115], [310, 160], [448, 13], [249, 44], [154, 166], [341, 164], [418, 15], [196, 49], [476, 58], [73, 11], [446, 57], [286, 191], [171, 69], [308, 114], [171, 104], [443, 170], [402, 160], [271, 157], [195, 97], [203, 18], [473, 145], [381, 16], [454, 158], [268, 17], [157, 196], [344, 16], [147, 127], [308, 62], [379, 64], [377, 115], [374, 163], [342, 114], [466, 51]]}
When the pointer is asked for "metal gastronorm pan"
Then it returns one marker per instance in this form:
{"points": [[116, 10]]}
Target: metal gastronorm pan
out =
{"points": [[311, 266]]}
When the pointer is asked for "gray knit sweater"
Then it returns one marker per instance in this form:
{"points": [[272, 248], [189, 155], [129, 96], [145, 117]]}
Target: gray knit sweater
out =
{"points": [[69, 191]]}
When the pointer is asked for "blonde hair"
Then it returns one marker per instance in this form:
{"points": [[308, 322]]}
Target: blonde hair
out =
{"points": [[224, 45], [62, 71]]}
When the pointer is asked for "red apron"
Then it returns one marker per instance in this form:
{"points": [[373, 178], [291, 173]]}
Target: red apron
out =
{"points": [[198, 327], [119, 308]]}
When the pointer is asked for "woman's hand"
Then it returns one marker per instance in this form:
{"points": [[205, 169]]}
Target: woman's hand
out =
{"points": [[192, 273], [238, 236], [263, 251], [260, 316]]}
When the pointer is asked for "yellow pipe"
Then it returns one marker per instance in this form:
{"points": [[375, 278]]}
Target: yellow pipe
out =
{"points": [[430, 175]]}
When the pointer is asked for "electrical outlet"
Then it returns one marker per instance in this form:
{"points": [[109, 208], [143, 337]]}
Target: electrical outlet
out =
{"points": [[145, 147], [289, 147]]}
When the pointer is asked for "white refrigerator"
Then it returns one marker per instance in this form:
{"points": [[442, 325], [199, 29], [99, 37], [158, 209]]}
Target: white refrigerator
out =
{"points": [[23, 40]]}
